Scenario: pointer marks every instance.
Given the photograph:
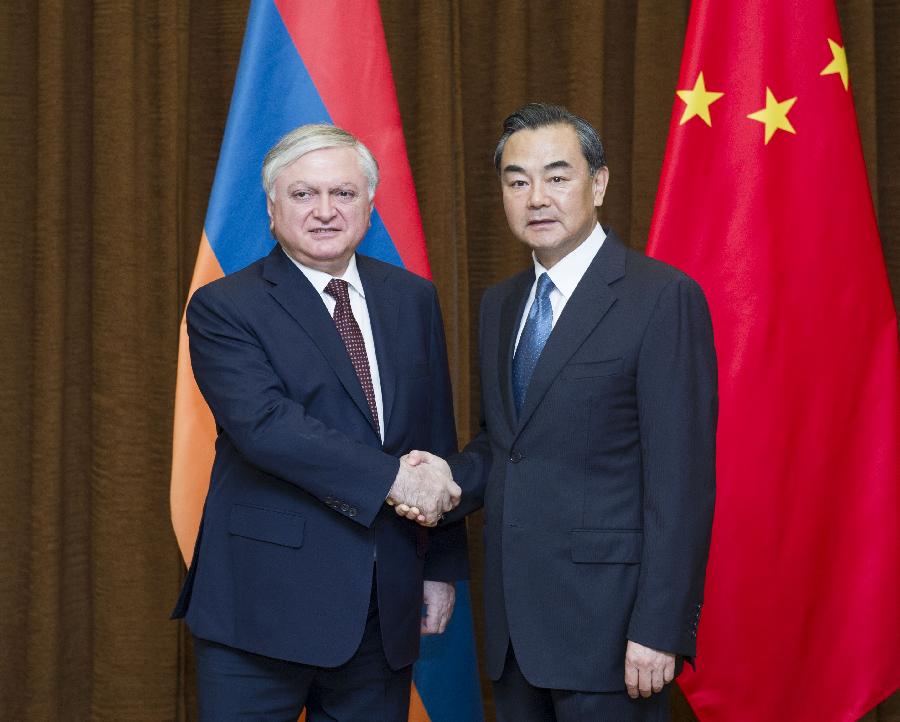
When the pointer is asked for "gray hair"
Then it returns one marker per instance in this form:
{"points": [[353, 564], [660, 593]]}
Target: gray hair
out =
{"points": [[315, 136], [539, 115]]}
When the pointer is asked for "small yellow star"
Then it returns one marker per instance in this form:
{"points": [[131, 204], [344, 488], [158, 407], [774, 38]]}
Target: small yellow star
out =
{"points": [[774, 115], [698, 101], [838, 63]]}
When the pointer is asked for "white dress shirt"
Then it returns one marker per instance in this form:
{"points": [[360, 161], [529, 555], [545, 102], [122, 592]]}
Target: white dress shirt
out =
{"points": [[320, 279], [565, 274]]}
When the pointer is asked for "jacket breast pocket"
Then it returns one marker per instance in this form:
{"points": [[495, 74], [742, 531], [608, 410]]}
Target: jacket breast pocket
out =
{"points": [[606, 546], [607, 367], [267, 525]]}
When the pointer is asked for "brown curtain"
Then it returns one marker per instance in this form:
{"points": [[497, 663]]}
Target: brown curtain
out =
{"points": [[111, 116]]}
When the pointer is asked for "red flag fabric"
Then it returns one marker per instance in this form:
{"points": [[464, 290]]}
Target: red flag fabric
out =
{"points": [[764, 200]]}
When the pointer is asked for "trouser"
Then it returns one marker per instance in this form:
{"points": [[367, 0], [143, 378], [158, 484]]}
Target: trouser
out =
{"points": [[233, 684], [517, 700]]}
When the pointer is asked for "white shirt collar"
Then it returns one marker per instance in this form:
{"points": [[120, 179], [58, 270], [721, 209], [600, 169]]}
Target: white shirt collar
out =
{"points": [[320, 279], [568, 270]]}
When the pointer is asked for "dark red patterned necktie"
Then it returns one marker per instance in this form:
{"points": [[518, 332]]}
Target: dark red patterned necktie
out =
{"points": [[353, 341]]}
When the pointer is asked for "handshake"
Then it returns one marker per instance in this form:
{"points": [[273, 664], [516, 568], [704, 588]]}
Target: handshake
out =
{"points": [[424, 488]]}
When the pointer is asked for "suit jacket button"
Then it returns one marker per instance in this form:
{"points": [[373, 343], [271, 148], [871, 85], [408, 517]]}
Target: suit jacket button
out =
{"points": [[345, 508], [352, 512], [515, 456]]}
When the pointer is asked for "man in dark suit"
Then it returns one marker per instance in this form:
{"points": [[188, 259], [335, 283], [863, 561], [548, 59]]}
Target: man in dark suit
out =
{"points": [[322, 367], [596, 460]]}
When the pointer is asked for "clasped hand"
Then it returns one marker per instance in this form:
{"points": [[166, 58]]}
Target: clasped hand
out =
{"points": [[424, 488]]}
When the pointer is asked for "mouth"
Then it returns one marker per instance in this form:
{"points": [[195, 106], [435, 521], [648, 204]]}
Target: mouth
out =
{"points": [[325, 231], [540, 222]]}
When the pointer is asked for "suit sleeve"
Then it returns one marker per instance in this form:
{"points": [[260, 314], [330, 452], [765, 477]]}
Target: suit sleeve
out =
{"points": [[271, 431], [448, 556], [677, 408]]}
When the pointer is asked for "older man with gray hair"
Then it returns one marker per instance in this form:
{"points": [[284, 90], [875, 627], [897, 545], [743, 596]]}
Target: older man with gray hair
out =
{"points": [[322, 368]]}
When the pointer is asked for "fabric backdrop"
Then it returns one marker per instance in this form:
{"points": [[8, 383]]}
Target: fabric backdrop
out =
{"points": [[111, 116]]}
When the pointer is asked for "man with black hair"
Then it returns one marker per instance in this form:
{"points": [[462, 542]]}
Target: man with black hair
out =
{"points": [[596, 459]]}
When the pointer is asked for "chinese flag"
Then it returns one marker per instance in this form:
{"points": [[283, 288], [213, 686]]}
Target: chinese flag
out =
{"points": [[764, 200]]}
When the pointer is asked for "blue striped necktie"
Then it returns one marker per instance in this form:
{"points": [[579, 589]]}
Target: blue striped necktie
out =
{"points": [[534, 336]]}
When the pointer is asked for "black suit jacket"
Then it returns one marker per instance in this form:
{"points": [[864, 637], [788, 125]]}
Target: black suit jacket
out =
{"points": [[599, 496], [295, 514]]}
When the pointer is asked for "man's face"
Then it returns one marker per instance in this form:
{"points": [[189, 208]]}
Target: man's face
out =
{"points": [[548, 193], [321, 208]]}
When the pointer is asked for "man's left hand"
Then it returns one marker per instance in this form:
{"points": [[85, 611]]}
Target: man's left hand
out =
{"points": [[439, 598], [646, 670]]}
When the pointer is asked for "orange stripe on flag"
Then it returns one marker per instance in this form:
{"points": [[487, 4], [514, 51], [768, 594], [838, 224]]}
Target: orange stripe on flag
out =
{"points": [[194, 432], [417, 711]]}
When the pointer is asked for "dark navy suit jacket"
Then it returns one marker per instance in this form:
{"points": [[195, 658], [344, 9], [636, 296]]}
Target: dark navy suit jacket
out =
{"points": [[295, 515], [599, 495]]}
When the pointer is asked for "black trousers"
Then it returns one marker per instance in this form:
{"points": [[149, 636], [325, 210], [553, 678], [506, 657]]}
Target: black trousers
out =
{"points": [[517, 700], [236, 685]]}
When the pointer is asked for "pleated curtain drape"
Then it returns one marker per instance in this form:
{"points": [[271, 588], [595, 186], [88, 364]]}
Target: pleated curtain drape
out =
{"points": [[111, 116]]}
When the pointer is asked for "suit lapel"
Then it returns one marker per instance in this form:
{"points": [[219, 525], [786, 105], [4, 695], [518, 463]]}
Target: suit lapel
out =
{"points": [[384, 313], [511, 310], [298, 297], [589, 303]]}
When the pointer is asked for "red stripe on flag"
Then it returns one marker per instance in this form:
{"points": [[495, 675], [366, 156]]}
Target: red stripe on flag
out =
{"points": [[345, 53]]}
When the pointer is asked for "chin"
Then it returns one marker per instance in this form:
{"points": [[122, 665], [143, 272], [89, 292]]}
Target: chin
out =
{"points": [[542, 244]]}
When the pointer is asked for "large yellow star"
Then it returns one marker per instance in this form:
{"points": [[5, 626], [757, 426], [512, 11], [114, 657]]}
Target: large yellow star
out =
{"points": [[774, 115], [838, 63], [698, 101]]}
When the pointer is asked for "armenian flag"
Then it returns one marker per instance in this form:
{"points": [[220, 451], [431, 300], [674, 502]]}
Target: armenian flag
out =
{"points": [[312, 62]]}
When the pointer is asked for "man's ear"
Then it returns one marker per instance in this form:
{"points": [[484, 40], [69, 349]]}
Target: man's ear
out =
{"points": [[269, 208], [600, 181]]}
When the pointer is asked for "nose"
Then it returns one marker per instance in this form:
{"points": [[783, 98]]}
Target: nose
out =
{"points": [[536, 196], [324, 208]]}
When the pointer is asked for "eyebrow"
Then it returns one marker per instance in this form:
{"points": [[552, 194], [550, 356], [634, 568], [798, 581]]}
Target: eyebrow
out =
{"points": [[550, 166], [347, 185]]}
